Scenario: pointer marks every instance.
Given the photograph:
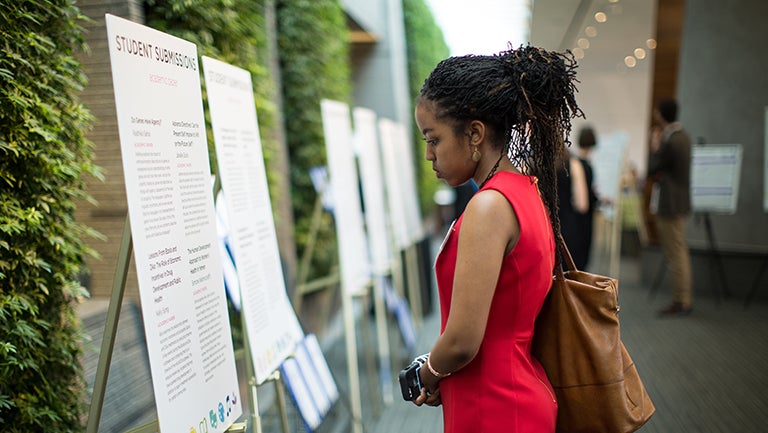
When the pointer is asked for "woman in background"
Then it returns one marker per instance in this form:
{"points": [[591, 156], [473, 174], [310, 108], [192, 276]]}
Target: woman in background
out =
{"points": [[578, 199]]}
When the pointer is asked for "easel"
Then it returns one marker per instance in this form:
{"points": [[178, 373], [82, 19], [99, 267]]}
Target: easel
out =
{"points": [[108, 342]]}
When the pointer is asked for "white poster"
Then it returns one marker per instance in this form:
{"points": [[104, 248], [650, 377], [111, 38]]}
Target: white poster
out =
{"points": [[170, 203], [347, 210], [608, 164], [715, 176], [410, 187], [608, 160], [372, 179], [272, 326], [400, 179]]}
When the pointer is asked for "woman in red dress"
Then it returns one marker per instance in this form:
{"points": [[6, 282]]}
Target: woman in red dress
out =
{"points": [[501, 121]]}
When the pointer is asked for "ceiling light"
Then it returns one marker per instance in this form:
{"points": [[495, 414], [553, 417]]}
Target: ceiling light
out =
{"points": [[640, 53], [583, 43], [578, 53], [630, 61], [651, 43], [601, 17], [590, 31]]}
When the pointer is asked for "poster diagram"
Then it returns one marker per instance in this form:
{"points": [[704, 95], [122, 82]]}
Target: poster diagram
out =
{"points": [[170, 202]]}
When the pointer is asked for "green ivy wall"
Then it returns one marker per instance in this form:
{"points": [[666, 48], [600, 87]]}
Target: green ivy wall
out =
{"points": [[44, 158]]}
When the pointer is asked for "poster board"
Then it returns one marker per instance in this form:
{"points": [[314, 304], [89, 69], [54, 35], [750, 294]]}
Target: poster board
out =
{"points": [[410, 184], [715, 176], [345, 187], [608, 163], [399, 175], [374, 195], [170, 203], [272, 326]]}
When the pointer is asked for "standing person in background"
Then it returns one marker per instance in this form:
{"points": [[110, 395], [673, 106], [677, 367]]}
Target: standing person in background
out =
{"points": [[578, 199], [500, 120], [670, 165]]}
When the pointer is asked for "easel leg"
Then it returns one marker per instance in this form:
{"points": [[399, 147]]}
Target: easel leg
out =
{"points": [[716, 261], [353, 371], [383, 336], [280, 390], [110, 329], [252, 390]]}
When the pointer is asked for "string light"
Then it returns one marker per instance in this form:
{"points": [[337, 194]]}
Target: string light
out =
{"points": [[601, 17]]}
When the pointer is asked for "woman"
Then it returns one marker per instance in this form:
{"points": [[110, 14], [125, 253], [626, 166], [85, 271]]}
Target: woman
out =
{"points": [[577, 199], [501, 121]]}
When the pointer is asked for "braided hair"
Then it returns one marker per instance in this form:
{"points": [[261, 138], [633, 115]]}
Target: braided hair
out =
{"points": [[526, 96]]}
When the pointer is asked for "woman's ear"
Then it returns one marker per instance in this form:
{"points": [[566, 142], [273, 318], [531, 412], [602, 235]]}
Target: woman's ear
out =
{"points": [[476, 131]]}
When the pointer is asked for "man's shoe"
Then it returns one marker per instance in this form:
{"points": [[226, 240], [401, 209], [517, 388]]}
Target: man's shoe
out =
{"points": [[676, 309]]}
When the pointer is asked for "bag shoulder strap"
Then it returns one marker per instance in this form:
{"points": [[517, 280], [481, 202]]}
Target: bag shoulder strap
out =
{"points": [[565, 254]]}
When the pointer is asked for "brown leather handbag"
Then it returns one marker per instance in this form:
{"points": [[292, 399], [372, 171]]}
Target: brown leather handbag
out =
{"points": [[577, 341]]}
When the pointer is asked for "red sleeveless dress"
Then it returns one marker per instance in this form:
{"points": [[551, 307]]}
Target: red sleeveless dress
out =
{"points": [[504, 389]]}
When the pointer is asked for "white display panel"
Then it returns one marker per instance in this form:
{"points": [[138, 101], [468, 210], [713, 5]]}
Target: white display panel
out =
{"points": [[347, 211], [374, 195], [608, 159], [410, 187], [272, 326], [392, 177], [715, 176], [401, 184], [170, 203]]}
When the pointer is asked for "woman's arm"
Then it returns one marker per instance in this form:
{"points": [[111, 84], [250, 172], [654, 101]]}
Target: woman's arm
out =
{"points": [[579, 187], [488, 232]]}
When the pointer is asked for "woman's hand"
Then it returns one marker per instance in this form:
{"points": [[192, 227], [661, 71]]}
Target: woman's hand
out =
{"points": [[430, 398], [430, 391]]}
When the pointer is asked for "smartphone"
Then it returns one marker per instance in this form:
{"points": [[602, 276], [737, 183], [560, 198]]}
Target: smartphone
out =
{"points": [[410, 381]]}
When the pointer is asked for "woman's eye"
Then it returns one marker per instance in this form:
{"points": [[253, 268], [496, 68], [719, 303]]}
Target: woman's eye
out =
{"points": [[432, 141]]}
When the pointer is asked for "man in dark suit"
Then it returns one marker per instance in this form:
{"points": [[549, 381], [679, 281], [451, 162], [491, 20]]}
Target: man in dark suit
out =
{"points": [[670, 165]]}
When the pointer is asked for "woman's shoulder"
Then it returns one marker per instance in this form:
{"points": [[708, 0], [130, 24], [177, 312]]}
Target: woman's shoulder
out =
{"points": [[509, 182]]}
